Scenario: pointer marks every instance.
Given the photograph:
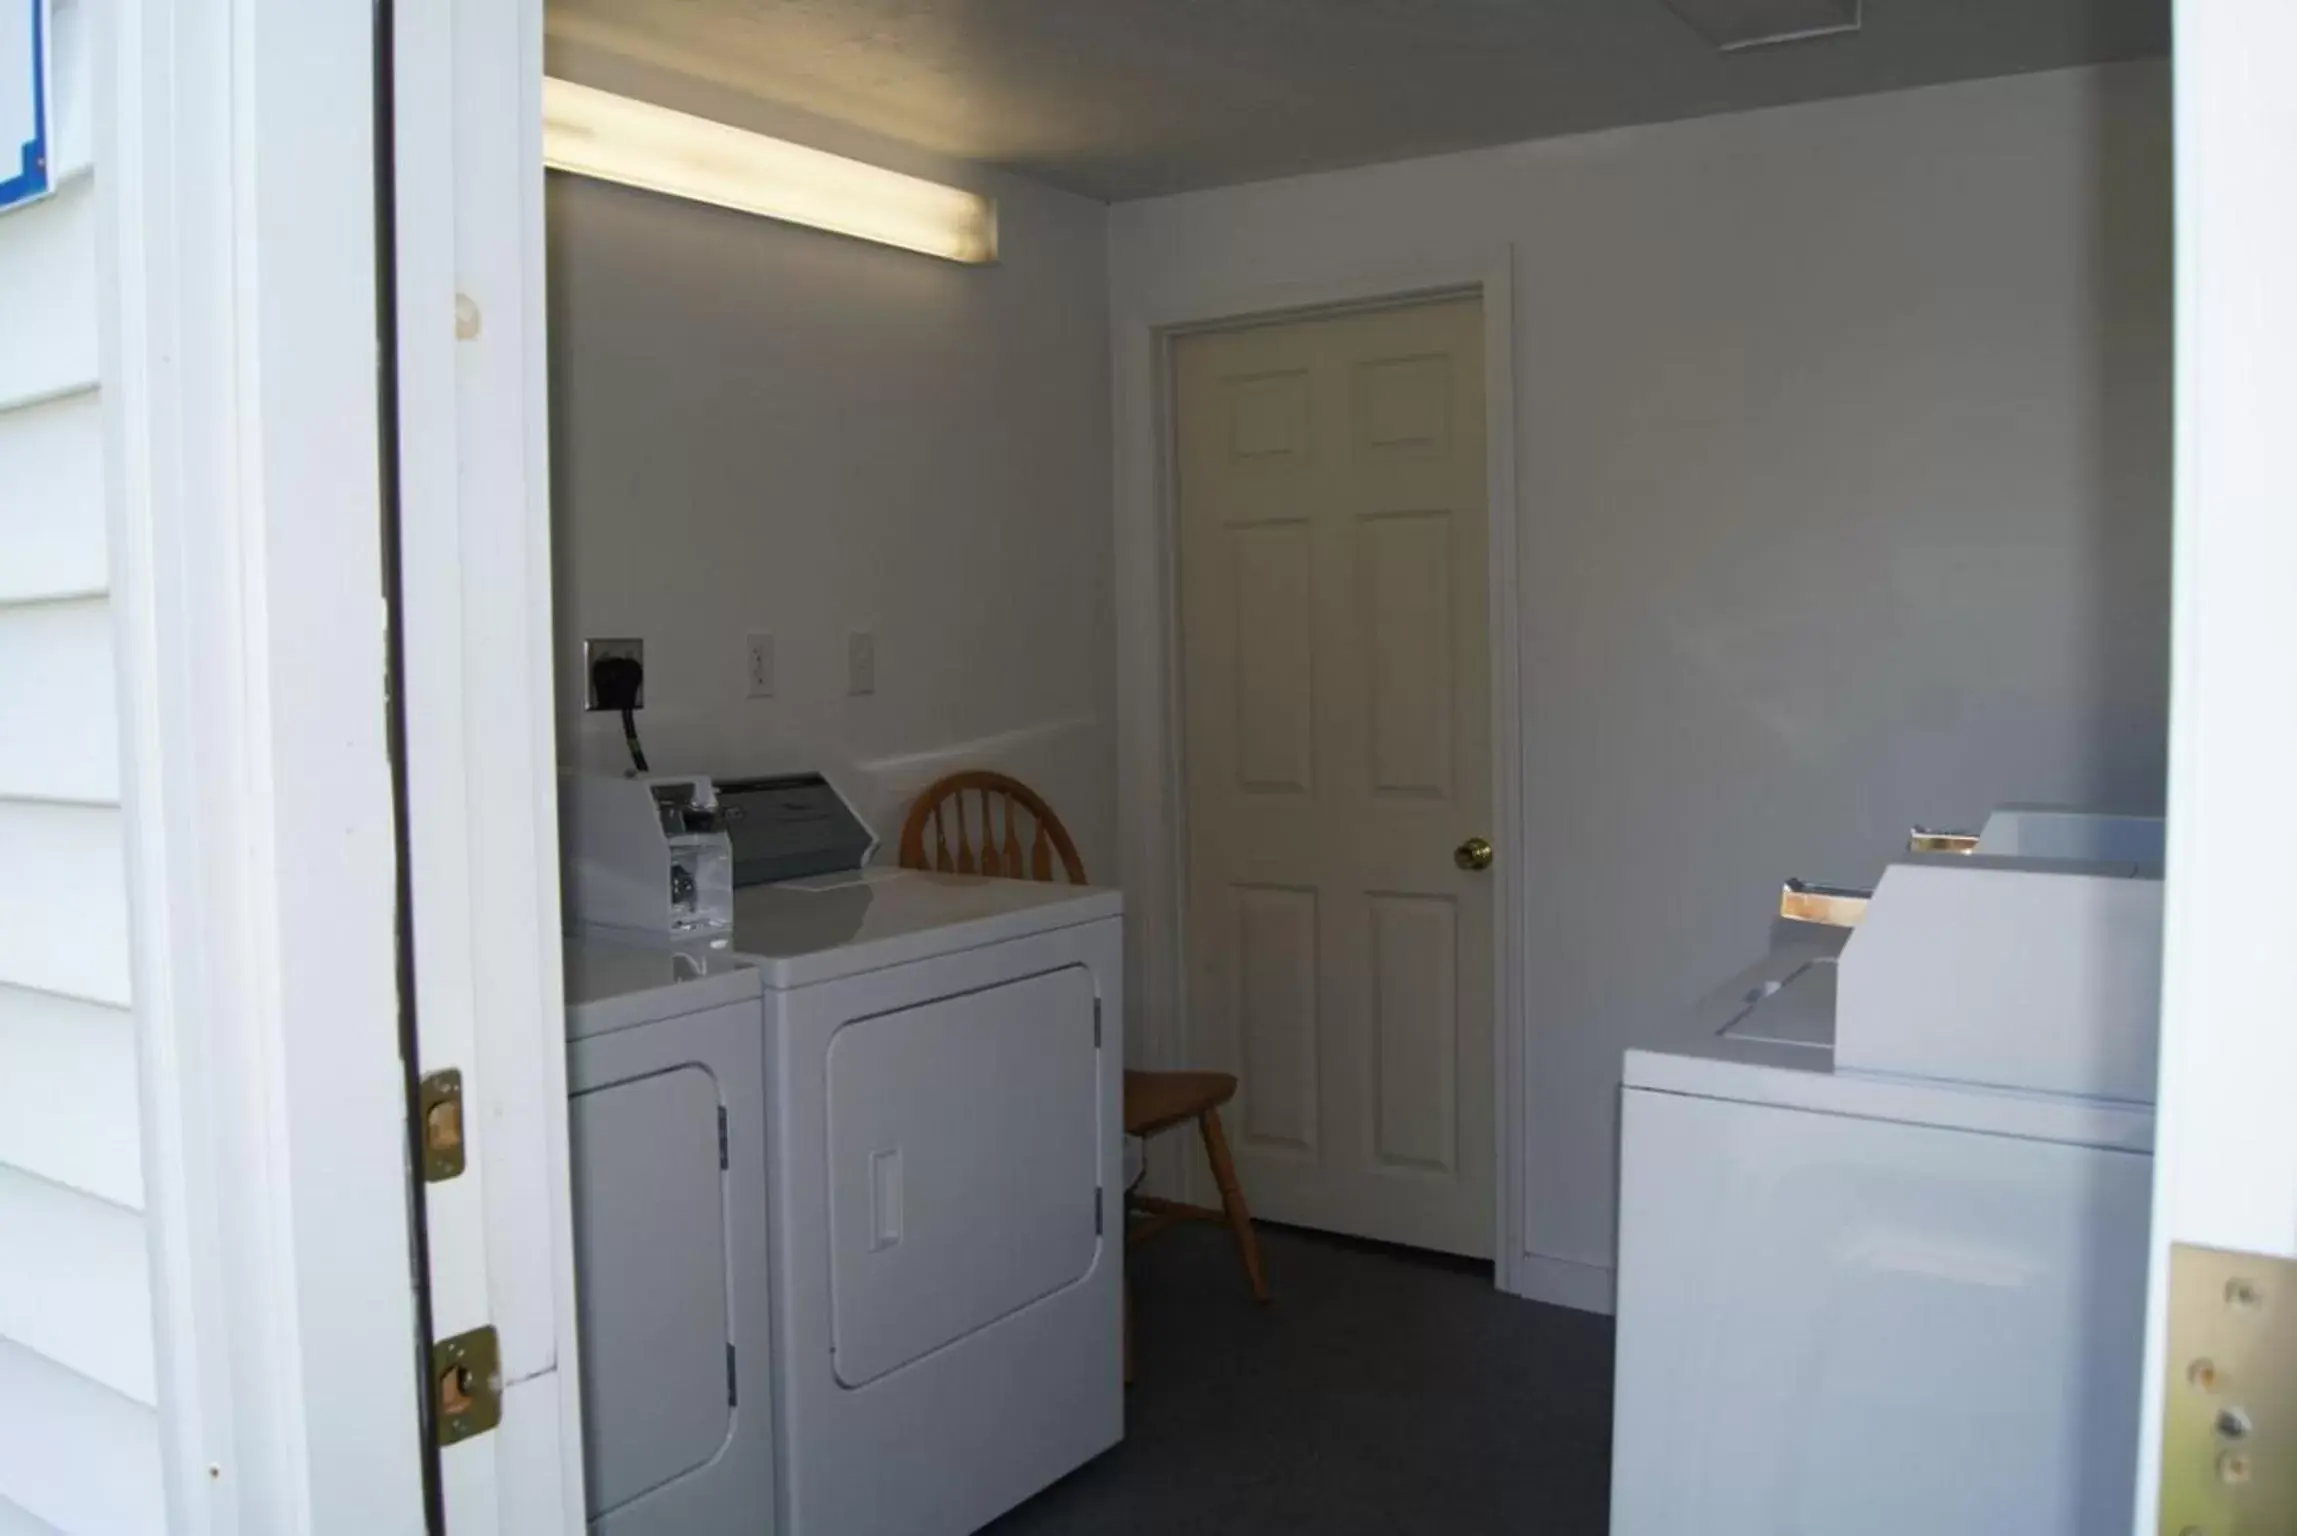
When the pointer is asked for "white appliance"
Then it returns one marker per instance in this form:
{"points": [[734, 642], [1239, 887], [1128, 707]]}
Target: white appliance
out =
{"points": [[666, 1122], [651, 859], [1883, 1220], [946, 1099], [2058, 832], [942, 1075]]}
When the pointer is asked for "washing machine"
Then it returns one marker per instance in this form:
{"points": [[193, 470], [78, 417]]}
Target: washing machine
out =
{"points": [[1884, 1207], [666, 1125], [939, 1175]]}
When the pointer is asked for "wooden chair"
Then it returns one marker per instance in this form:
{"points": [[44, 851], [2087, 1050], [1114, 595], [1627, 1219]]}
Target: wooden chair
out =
{"points": [[980, 812], [1158, 1101], [963, 802]]}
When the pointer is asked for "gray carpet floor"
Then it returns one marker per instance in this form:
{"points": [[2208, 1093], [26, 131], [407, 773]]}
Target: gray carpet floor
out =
{"points": [[1382, 1391]]}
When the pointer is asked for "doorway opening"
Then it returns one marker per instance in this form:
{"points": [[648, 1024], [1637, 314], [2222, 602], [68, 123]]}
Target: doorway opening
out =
{"points": [[855, 503]]}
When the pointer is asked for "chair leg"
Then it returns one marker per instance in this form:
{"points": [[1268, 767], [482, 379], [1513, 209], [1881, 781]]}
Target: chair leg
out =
{"points": [[1232, 1201]]}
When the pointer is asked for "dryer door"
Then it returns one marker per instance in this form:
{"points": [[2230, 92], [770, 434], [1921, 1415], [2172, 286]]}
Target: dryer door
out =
{"points": [[964, 1139]]}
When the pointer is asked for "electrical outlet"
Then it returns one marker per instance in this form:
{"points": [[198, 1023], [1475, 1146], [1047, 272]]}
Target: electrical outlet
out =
{"points": [[596, 651], [860, 663], [760, 654]]}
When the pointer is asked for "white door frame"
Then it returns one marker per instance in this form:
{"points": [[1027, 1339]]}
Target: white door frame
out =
{"points": [[1151, 800], [238, 253], [236, 250], [2225, 1160], [475, 564]]}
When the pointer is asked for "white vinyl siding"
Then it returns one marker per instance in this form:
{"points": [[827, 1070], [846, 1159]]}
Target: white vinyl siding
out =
{"points": [[79, 1433], [72, 87], [51, 456], [76, 1455], [48, 256], [63, 890], [92, 1261], [59, 721], [15, 1520], [67, 1098]]}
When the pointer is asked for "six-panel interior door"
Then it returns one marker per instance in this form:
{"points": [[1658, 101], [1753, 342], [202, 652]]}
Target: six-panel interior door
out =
{"points": [[1332, 491]]}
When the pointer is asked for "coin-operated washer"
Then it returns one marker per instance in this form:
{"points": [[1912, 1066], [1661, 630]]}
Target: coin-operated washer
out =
{"points": [[906, 1249], [1884, 1204]]}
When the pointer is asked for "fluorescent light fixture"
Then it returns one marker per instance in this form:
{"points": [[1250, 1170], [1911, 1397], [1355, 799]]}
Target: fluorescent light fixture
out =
{"points": [[613, 138], [1735, 24]]}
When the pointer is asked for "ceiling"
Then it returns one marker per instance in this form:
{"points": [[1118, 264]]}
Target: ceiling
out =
{"points": [[1121, 99]]}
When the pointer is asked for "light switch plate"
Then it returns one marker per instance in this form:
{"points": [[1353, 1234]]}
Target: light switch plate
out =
{"points": [[860, 663], [2229, 1427], [758, 659]]}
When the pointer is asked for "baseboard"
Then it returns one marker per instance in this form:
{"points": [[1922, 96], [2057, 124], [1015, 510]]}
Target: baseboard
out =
{"points": [[1560, 1282]]}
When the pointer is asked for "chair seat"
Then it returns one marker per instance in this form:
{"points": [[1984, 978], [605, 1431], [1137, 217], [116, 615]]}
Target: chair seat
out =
{"points": [[1156, 1100]]}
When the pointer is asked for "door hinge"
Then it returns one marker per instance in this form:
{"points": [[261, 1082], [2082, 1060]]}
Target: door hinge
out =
{"points": [[724, 1160], [733, 1392], [1096, 1023], [1100, 1198], [439, 1101], [466, 1385]]}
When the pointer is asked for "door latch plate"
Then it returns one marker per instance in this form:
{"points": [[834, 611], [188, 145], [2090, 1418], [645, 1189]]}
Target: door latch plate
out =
{"points": [[466, 1385], [439, 1100], [2229, 1427]]}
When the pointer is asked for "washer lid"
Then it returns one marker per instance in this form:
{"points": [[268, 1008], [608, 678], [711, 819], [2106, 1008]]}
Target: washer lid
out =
{"points": [[618, 982], [1799, 1077], [803, 931], [1794, 1009], [1766, 1037]]}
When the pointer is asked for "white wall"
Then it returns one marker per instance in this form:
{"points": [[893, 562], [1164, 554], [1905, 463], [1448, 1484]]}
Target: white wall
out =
{"points": [[759, 427], [1843, 471], [79, 1428]]}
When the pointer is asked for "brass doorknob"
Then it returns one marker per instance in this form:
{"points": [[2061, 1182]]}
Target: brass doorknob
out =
{"points": [[1475, 853]]}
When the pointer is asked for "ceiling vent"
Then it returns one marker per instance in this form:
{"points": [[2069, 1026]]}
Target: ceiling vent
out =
{"points": [[1735, 24]]}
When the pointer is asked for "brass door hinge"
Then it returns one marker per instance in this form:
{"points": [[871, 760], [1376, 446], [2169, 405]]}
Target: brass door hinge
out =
{"points": [[439, 1100], [466, 1385]]}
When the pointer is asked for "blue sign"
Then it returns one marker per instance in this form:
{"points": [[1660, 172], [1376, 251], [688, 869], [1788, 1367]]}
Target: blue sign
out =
{"points": [[23, 101]]}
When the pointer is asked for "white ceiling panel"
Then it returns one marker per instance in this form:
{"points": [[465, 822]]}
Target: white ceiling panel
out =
{"points": [[1132, 98]]}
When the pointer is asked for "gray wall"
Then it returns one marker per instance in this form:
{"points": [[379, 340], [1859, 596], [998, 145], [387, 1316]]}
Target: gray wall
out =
{"points": [[757, 427], [1843, 456]]}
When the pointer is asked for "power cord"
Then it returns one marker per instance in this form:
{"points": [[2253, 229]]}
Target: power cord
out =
{"points": [[617, 681]]}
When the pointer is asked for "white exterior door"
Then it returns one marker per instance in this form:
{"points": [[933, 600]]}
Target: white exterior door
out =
{"points": [[2226, 1144], [1332, 490], [482, 822]]}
